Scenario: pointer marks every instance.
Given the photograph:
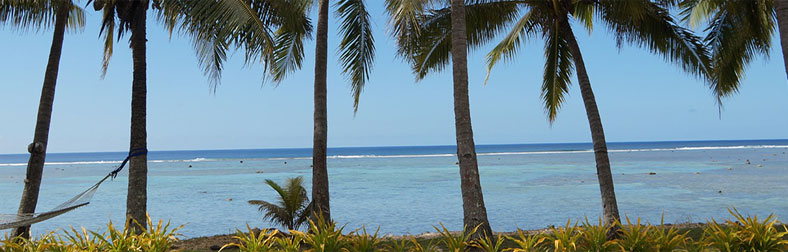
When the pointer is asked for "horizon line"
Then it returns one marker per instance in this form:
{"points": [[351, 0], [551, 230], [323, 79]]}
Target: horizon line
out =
{"points": [[427, 145]]}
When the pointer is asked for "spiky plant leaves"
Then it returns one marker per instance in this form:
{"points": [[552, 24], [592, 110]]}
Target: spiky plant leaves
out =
{"points": [[291, 209]]}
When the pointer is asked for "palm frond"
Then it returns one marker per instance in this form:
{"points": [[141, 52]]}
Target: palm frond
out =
{"points": [[37, 15], [510, 44], [736, 32], [357, 46], [557, 70], [429, 49], [646, 24]]}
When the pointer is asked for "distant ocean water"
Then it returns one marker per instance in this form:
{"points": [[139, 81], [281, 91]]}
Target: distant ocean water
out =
{"points": [[409, 189]]}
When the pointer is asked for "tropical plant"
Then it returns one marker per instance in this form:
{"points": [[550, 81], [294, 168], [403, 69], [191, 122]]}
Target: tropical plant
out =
{"points": [[565, 239], [37, 15], [666, 239], [722, 237], [634, 236], [594, 237], [363, 241], [216, 25], [357, 51], [456, 242], [291, 209], [289, 244], [424, 41], [430, 246], [252, 241], [423, 37], [323, 236], [489, 243], [527, 243], [758, 235], [736, 33], [130, 16]]}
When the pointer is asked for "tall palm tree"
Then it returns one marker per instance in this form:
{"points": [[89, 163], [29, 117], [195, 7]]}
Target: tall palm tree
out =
{"points": [[640, 22], [357, 53], [213, 26], [291, 209], [736, 32], [32, 14], [426, 40], [283, 51], [131, 17]]}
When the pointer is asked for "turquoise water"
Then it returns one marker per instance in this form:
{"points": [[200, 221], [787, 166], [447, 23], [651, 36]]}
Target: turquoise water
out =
{"points": [[409, 189]]}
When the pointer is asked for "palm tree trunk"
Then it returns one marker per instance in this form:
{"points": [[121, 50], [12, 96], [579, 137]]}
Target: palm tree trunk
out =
{"points": [[609, 205], [136, 200], [781, 7], [37, 149], [474, 211], [320, 197]]}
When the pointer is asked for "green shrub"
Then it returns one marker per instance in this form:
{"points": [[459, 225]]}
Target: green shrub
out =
{"points": [[664, 239], [253, 242], [526, 243], [363, 241], [594, 237], [456, 243], [634, 237]]}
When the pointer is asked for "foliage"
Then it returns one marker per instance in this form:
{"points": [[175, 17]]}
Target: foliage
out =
{"points": [[291, 210], [458, 242], [157, 238], [634, 237], [487, 244], [323, 236], [565, 239], [363, 241], [594, 237], [742, 233], [253, 242], [526, 243]]}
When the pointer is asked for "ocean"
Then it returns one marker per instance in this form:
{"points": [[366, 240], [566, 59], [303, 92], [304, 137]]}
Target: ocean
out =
{"points": [[408, 190]]}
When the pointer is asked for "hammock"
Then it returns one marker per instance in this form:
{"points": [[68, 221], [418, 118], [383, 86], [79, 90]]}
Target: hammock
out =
{"points": [[20, 220]]}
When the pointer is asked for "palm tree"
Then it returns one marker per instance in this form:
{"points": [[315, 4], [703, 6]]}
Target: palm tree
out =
{"points": [[291, 211], [736, 32], [283, 52], [641, 22], [131, 16], [213, 26], [357, 52], [425, 39], [31, 14], [423, 34]]}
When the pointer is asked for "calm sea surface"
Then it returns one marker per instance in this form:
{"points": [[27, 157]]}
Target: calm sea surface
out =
{"points": [[409, 189]]}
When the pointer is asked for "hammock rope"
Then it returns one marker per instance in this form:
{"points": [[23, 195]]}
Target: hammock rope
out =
{"points": [[82, 199]]}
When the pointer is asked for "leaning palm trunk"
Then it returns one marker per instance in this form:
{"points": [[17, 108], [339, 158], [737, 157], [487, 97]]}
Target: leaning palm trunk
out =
{"points": [[609, 205], [136, 200], [37, 149], [781, 7], [474, 211], [320, 196]]}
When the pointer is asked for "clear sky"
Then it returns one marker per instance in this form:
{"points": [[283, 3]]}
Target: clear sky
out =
{"points": [[640, 97]]}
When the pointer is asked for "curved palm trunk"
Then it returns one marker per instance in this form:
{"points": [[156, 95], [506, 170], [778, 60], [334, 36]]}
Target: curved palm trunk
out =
{"points": [[136, 200], [781, 7], [474, 211], [37, 149], [609, 205], [320, 198]]}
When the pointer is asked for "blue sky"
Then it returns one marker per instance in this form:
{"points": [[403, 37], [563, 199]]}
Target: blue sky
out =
{"points": [[640, 97]]}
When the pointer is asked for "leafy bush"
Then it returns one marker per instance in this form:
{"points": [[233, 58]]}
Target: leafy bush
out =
{"points": [[743, 233], [292, 208]]}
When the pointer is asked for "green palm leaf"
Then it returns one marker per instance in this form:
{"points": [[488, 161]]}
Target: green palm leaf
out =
{"points": [[357, 48]]}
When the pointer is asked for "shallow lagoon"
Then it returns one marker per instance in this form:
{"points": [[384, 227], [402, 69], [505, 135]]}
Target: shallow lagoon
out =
{"points": [[409, 189]]}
